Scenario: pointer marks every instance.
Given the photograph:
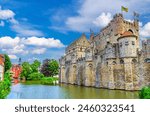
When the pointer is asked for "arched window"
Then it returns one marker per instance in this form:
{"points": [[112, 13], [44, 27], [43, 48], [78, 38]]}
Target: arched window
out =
{"points": [[106, 63], [80, 49], [114, 63], [130, 30], [147, 60], [121, 61], [90, 65], [134, 61]]}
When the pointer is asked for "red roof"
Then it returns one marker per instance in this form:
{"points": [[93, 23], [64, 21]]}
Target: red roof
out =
{"points": [[127, 34]]}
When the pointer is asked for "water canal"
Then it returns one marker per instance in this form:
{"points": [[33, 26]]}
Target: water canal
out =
{"points": [[23, 91]]}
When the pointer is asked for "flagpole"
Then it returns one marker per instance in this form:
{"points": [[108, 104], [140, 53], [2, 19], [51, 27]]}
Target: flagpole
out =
{"points": [[121, 11]]}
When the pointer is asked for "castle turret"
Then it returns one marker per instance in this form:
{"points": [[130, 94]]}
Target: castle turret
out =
{"points": [[118, 18], [128, 45]]}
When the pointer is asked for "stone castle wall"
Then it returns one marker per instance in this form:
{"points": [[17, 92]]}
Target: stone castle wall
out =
{"points": [[110, 59]]}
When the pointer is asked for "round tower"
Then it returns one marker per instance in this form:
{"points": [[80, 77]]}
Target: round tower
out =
{"points": [[128, 45]]}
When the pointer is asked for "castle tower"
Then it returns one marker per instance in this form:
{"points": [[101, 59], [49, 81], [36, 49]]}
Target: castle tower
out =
{"points": [[128, 54], [118, 19], [128, 45]]}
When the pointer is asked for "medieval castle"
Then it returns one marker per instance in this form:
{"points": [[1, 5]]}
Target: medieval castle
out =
{"points": [[111, 59]]}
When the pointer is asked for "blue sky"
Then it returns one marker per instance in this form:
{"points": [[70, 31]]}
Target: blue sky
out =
{"points": [[39, 29]]}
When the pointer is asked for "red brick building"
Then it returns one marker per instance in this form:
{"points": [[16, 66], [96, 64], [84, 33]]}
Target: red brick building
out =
{"points": [[2, 60], [16, 71]]}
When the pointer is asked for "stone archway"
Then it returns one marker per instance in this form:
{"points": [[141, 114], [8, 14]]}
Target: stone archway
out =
{"points": [[119, 76], [63, 74], [67, 75], [135, 74], [90, 74], [98, 76], [74, 77], [80, 79]]}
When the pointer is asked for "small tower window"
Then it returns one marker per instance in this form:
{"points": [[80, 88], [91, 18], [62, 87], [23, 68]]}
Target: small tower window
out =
{"points": [[121, 62], [133, 42], [126, 43], [121, 44], [134, 61]]}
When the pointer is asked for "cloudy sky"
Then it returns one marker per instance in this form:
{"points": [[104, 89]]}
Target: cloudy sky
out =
{"points": [[39, 29]]}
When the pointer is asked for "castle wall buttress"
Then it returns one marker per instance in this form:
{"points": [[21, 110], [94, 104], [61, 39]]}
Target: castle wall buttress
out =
{"points": [[89, 74], [128, 74], [62, 73]]}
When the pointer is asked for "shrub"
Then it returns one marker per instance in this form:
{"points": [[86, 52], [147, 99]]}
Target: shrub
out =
{"points": [[5, 86], [145, 93], [48, 80], [35, 76]]}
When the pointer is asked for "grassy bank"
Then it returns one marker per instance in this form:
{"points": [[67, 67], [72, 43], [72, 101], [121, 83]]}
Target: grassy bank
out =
{"points": [[43, 81]]}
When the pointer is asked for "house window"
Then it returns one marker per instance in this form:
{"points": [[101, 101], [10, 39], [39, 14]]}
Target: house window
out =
{"points": [[133, 42], [126, 43]]}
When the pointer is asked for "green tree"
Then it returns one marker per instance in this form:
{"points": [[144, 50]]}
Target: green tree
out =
{"points": [[5, 85], [7, 62], [35, 76], [50, 67], [53, 67], [26, 70], [35, 66]]}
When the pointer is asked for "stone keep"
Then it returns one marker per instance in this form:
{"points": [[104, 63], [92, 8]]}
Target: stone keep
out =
{"points": [[110, 59]]}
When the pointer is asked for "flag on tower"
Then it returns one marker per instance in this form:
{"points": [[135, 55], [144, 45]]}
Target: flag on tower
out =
{"points": [[124, 9]]}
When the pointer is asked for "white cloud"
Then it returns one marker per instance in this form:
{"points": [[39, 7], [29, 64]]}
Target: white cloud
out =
{"points": [[26, 30], [21, 28], [103, 19], [12, 56], [2, 24], [39, 51], [44, 42], [89, 10], [6, 14], [13, 21], [19, 49], [80, 24], [8, 42], [145, 30], [22, 46]]}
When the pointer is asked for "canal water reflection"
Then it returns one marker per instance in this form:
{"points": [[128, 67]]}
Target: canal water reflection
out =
{"points": [[21, 91]]}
